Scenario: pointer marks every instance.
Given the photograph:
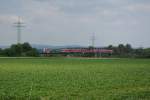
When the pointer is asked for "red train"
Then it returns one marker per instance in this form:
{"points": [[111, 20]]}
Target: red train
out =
{"points": [[85, 50], [77, 52]]}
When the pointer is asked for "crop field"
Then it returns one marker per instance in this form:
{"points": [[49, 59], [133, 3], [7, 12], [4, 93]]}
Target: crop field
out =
{"points": [[74, 79]]}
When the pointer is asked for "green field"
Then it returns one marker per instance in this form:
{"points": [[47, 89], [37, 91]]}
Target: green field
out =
{"points": [[74, 79]]}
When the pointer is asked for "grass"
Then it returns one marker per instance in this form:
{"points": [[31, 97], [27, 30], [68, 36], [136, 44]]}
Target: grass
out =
{"points": [[74, 79]]}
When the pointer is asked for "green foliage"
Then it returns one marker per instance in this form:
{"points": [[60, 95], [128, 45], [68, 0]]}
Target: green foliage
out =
{"points": [[128, 52], [18, 50], [8, 52], [33, 53], [74, 79], [128, 48], [121, 51], [26, 47], [147, 53], [1, 51]]}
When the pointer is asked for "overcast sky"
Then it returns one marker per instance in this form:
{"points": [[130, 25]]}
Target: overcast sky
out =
{"points": [[72, 22]]}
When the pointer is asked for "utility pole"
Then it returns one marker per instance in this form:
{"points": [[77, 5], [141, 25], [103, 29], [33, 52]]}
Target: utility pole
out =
{"points": [[19, 26], [93, 43], [93, 40]]}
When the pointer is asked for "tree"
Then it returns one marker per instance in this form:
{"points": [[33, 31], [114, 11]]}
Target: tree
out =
{"points": [[121, 49], [1, 52], [110, 47], [128, 48], [26, 47], [20, 50], [138, 52], [32, 53], [146, 53], [8, 52], [16, 49], [91, 47]]}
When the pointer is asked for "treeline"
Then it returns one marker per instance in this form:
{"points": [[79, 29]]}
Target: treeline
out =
{"points": [[127, 51], [121, 51], [20, 50]]}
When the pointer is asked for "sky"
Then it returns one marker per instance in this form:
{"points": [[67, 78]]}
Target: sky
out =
{"points": [[72, 22]]}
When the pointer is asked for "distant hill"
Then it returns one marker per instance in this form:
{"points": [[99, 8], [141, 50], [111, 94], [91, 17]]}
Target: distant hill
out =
{"points": [[4, 46], [39, 46]]}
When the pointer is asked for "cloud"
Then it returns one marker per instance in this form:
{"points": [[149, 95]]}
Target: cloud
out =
{"points": [[139, 8], [51, 21], [4, 19]]}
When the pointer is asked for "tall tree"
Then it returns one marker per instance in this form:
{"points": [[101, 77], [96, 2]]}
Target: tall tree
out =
{"points": [[26, 47], [128, 48], [121, 49]]}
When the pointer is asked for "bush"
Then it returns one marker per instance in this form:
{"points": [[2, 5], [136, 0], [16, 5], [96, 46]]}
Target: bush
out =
{"points": [[17, 50], [32, 53]]}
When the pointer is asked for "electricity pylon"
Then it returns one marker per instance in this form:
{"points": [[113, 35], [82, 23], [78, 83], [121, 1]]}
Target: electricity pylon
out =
{"points": [[19, 26], [93, 40]]}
